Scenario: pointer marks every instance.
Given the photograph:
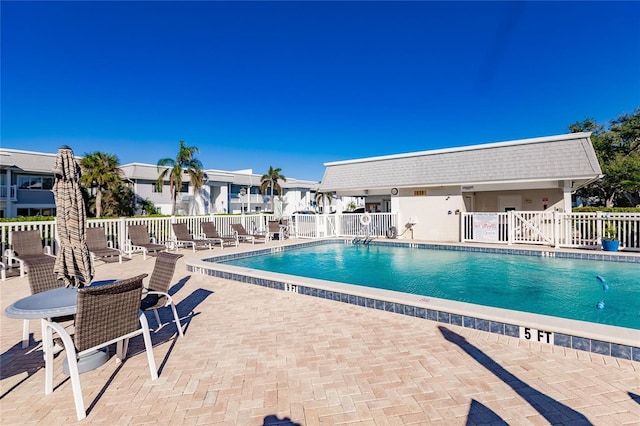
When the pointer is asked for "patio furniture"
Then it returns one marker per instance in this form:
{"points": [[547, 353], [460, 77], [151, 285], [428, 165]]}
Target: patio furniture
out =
{"points": [[105, 314], [276, 229], [157, 295], [27, 245], [184, 238], [284, 228], [98, 245], [243, 235], [209, 230], [41, 278], [140, 241]]}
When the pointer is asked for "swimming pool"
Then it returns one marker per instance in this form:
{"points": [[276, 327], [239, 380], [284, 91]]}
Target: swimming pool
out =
{"points": [[595, 337], [560, 287]]}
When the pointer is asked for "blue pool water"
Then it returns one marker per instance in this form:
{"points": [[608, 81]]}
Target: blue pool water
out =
{"points": [[560, 287]]}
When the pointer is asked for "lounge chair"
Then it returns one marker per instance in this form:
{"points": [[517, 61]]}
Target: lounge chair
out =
{"points": [[185, 239], [275, 229], [158, 295], [99, 247], [27, 245], [140, 241], [210, 232], [243, 235]]}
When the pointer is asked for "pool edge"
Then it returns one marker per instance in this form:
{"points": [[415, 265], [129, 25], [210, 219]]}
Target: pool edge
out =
{"points": [[618, 342]]}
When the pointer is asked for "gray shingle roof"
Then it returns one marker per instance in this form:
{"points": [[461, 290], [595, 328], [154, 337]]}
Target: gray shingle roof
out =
{"points": [[568, 156], [34, 162]]}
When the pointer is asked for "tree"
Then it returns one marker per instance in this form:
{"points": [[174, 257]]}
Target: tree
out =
{"points": [[119, 200], [174, 169], [102, 172], [270, 180], [324, 198], [618, 151]]}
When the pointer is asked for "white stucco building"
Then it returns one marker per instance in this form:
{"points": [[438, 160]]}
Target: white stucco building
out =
{"points": [[434, 187], [26, 180]]}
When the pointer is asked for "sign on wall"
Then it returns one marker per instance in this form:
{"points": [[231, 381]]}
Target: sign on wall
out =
{"points": [[485, 227]]}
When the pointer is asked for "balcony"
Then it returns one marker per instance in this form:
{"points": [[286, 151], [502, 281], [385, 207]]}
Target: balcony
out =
{"points": [[8, 193]]}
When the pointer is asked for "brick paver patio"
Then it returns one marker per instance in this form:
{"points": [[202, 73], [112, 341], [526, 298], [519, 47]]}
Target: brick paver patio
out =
{"points": [[253, 356]]}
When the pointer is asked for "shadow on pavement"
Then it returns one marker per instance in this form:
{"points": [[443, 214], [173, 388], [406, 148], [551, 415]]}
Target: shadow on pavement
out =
{"points": [[552, 410]]}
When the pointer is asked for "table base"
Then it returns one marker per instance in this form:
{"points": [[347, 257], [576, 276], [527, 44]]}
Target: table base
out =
{"points": [[89, 362]]}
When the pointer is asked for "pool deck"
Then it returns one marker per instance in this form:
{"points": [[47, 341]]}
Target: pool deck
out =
{"points": [[253, 355]]}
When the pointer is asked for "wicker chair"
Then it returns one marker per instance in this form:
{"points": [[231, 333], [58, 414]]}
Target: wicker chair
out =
{"points": [[184, 238], [139, 237], [159, 283], [27, 245], [98, 245], [243, 235], [41, 278], [106, 314], [209, 230]]}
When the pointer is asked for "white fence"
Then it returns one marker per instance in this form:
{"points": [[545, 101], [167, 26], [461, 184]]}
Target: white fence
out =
{"points": [[300, 226], [577, 230], [116, 229]]}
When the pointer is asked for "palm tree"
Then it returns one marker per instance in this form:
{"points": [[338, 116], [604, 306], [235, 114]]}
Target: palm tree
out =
{"points": [[100, 171], [270, 180], [174, 168], [324, 197]]}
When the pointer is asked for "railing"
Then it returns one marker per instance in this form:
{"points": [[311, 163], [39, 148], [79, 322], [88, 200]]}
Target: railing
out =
{"points": [[542, 228], [300, 226], [9, 193], [116, 229], [574, 230]]}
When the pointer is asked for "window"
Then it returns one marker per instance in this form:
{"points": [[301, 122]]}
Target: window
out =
{"points": [[185, 187], [35, 182], [419, 193]]}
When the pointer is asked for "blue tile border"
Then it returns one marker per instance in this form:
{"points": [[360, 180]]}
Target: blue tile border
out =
{"points": [[512, 330]]}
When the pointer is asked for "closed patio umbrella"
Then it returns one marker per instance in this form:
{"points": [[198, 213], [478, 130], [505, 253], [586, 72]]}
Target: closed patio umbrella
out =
{"points": [[73, 262]]}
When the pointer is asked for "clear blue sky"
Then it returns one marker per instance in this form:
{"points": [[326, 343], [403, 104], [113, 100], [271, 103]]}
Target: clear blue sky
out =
{"points": [[297, 84]]}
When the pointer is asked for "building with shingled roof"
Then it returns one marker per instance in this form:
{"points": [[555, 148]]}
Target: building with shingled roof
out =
{"points": [[432, 188]]}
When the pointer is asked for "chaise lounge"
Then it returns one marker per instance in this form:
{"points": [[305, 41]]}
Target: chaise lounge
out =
{"points": [[185, 239], [140, 241], [25, 246], [99, 247], [210, 232], [243, 235]]}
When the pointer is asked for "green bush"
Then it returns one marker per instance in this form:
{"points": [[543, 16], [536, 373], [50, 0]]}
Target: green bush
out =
{"points": [[28, 219], [606, 209]]}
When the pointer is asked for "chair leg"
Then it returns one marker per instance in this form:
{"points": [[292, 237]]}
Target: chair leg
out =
{"points": [[177, 319], [155, 312], [47, 348], [122, 346], [75, 382], [47, 342], [148, 346], [25, 334]]}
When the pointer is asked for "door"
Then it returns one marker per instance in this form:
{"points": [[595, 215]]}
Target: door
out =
{"points": [[509, 202]]}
